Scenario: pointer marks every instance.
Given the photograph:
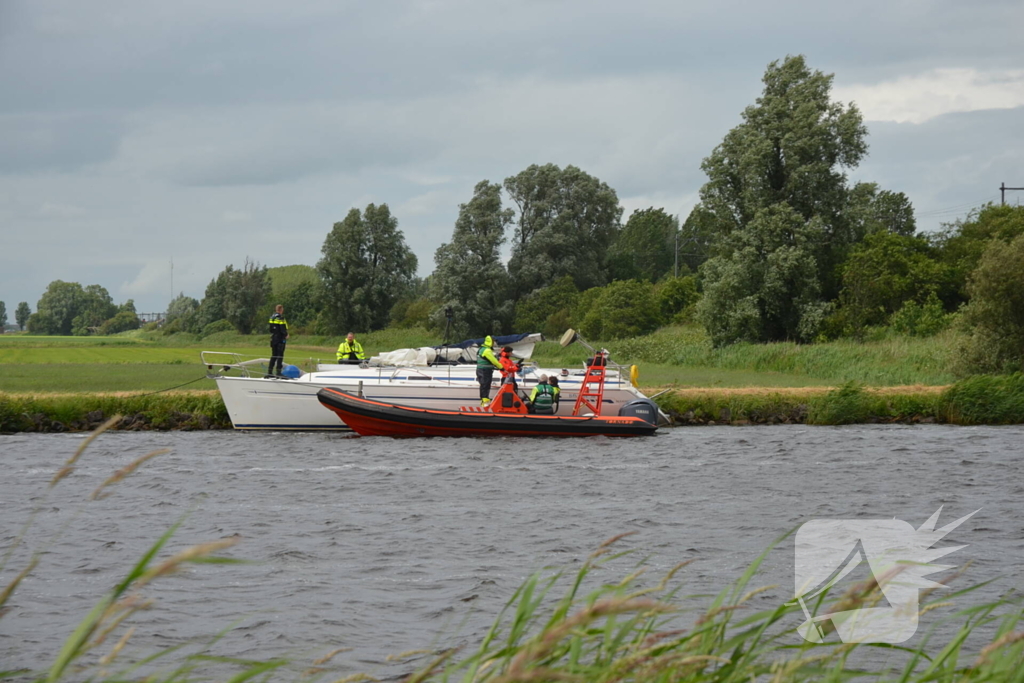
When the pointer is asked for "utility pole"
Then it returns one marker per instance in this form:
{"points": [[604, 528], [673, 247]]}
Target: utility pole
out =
{"points": [[1002, 192], [675, 272]]}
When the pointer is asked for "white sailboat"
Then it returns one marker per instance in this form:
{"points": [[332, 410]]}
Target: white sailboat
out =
{"points": [[432, 377]]}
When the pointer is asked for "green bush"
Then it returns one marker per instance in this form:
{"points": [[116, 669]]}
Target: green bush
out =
{"points": [[849, 404], [217, 326], [545, 309], [921, 320], [622, 309], [676, 296], [412, 313], [984, 399], [122, 322]]}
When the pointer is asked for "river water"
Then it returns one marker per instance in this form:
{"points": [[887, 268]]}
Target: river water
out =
{"points": [[384, 545]]}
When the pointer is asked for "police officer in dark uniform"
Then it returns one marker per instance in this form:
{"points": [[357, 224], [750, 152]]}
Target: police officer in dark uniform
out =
{"points": [[278, 339]]}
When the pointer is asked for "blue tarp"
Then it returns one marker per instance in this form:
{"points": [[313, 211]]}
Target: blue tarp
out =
{"points": [[506, 340]]}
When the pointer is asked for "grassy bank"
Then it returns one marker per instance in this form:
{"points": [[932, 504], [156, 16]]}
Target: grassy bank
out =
{"points": [[976, 400], [52, 412]]}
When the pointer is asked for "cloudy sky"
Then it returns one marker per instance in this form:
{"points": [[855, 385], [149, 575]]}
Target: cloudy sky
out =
{"points": [[134, 133]]}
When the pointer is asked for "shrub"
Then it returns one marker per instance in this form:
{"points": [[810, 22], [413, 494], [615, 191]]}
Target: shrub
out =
{"points": [[921, 320], [622, 309], [849, 404], [984, 399], [414, 313], [217, 326], [675, 296], [122, 322], [554, 302]]}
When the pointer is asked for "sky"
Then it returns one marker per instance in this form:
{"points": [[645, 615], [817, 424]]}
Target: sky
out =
{"points": [[135, 135]]}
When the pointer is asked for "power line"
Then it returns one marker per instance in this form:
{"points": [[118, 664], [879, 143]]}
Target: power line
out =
{"points": [[957, 208]]}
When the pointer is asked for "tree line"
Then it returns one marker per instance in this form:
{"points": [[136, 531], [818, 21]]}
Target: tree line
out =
{"points": [[781, 246]]}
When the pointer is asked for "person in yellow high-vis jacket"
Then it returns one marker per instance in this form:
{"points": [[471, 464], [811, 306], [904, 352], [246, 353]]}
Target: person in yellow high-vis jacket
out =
{"points": [[486, 362], [278, 339], [350, 351]]}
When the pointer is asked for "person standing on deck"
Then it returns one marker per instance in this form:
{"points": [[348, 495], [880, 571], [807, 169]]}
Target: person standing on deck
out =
{"points": [[486, 362], [509, 367], [350, 351], [278, 339]]}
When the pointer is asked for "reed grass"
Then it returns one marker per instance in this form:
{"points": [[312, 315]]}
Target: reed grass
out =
{"points": [[895, 360], [984, 399], [628, 632], [898, 360]]}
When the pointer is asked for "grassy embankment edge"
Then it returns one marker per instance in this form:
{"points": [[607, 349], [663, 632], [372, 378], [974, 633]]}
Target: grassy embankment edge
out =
{"points": [[983, 399], [184, 410]]}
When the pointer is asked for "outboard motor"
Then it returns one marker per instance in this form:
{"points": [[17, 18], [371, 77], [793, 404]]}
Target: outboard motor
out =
{"points": [[644, 408]]}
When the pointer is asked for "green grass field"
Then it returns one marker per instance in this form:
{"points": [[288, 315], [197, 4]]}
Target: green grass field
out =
{"points": [[680, 356]]}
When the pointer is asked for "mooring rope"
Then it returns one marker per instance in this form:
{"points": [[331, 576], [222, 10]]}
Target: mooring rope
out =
{"points": [[175, 387]]}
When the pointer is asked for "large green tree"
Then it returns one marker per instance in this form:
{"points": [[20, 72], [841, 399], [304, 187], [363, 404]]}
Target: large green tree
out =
{"points": [[57, 308], [566, 221], [697, 238], [885, 271], [236, 295], [961, 243], [3, 315], [180, 307], [645, 247], [767, 287], [22, 314], [469, 276], [248, 289], [792, 147], [993, 322], [365, 269], [781, 172], [872, 210], [97, 307]]}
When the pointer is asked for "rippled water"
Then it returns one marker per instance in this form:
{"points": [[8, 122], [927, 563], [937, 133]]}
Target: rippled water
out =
{"points": [[383, 545]]}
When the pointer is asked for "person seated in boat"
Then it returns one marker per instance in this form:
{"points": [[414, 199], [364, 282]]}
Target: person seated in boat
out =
{"points": [[486, 362], [350, 351], [544, 397], [553, 382]]}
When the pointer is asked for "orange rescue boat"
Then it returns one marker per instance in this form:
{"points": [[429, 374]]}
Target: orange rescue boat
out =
{"points": [[507, 415]]}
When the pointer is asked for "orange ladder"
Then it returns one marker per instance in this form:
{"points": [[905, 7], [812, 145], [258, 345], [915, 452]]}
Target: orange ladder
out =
{"points": [[592, 387]]}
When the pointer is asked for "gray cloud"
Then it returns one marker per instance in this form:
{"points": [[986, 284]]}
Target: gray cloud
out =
{"points": [[132, 132], [60, 142]]}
